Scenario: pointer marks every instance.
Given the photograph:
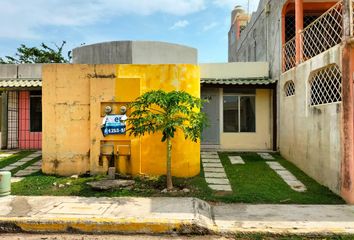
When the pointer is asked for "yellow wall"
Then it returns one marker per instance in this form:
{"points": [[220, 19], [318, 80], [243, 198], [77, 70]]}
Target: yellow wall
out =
{"points": [[74, 97], [261, 139]]}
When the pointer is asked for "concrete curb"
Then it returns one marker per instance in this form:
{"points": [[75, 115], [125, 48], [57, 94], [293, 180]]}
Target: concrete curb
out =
{"points": [[101, 225], [153, 215], [168, 215]]}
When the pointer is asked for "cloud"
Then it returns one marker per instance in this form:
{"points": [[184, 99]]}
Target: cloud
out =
{"points": [[22, 19], [179, 24], [210, 26]]}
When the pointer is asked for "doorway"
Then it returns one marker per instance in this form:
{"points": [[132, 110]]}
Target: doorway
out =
{"points": [[211, 134]]}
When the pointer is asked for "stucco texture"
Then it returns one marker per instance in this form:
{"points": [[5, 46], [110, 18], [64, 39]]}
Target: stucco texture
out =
{"points": [[74, 97], [261, 139], [310, 136]]}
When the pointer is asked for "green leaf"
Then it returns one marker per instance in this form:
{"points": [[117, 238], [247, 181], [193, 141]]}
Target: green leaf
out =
{"points": [[43, 54]]}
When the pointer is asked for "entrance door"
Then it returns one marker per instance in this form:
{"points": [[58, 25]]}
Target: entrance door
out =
{"points": [[211, 134]]}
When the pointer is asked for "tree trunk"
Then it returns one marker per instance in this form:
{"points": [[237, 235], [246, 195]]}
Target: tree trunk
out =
{"points": [[169, 175]]}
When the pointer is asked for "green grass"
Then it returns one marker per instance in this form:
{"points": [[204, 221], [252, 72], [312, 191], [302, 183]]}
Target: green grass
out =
{"points": [[40, 184], [253, 182], [27, 164], [14, 158], [256, 182]]}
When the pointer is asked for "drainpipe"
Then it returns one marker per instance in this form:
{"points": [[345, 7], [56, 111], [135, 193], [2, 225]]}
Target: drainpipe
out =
{"points": [[347, 164], [275, 118], [299, 25], [4, 121]]}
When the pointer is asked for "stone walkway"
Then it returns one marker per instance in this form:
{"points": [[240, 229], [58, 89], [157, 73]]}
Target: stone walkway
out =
{"points": [[236, 160], [287, 176], [214, 172], [5, 154], [266, 156], [35, 167]]}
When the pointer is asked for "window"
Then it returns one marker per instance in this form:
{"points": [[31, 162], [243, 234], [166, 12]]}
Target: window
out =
{"points": [[242, 27], [289, 88], [239, 111], [326, 86], [36, 111]]}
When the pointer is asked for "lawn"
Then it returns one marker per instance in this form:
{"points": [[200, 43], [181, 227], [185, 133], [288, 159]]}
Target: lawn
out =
{"points": [[256, 182], [253, 182], [13, 158]]}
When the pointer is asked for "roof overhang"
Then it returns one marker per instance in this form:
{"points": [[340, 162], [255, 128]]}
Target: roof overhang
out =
{"points": [[20, 83], [238, 81]]}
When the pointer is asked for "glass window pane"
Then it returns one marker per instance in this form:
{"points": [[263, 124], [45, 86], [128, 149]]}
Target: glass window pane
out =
{"points": [[247, 114], [230, 114], [35, 113]]}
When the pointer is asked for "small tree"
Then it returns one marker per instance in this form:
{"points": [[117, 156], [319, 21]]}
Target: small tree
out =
{"points": [[165, 112], [44, 54]]}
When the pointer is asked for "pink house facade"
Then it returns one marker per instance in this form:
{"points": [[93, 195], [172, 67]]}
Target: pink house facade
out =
{"points": [[21, 106]]}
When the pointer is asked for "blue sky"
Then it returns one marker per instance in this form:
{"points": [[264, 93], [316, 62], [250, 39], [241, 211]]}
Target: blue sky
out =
{"points": [[202, 24]]}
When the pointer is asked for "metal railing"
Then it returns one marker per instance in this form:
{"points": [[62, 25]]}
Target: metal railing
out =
{"points": [[320, 35], [323, 33], [289, 55]]}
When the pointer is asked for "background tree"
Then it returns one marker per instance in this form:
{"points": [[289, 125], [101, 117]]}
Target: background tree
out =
{"points": [[165, 112], [42, 54]]}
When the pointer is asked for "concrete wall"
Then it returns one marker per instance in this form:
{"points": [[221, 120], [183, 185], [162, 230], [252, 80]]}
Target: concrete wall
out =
{"points": [[234, 70], [261, 39], [144, 52], [8, 71], [75, 96], [259, 140], [135, 52], [310, 136], [12, 71], [104, 53]]}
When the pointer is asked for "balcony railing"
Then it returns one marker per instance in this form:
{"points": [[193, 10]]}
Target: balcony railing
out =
{"points": [[289, 55], [323, 33]]}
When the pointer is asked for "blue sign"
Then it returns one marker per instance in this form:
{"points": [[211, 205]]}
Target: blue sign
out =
{"points": [[114, 124]]}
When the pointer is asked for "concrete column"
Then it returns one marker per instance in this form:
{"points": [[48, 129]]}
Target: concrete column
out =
{"points": [[347, 164], [299, 25], [4, 121]]}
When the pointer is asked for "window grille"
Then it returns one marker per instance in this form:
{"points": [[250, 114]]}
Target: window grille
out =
{"points": [[30, 119], [289, 88], [326, 86], [289, 27], [323, 33], [12, 127]]}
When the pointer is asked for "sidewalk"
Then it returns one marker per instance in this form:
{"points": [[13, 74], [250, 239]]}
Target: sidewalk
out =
{"points": [[166, 215]]}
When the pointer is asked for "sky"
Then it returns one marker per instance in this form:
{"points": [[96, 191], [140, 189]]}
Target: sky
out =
{"points": [[202, 24]]}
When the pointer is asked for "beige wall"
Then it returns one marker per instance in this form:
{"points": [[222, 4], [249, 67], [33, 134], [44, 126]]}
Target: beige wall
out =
{"points": [[234, 70], [66, 119], [262, 138], [310, 136]]}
